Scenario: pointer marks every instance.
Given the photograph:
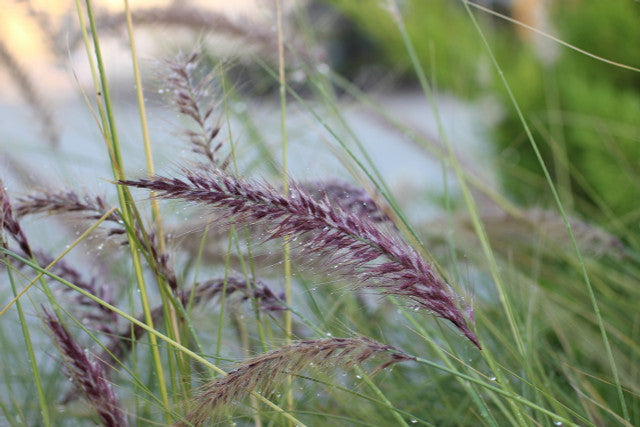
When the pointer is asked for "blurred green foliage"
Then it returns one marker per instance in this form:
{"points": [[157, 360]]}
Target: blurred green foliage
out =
{"points": [[583, 112], [439, 29]]}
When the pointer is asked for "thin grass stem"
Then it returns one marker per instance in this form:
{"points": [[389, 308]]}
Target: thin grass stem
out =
{"points": [[285, 183], [171, 319], [470, 203], [42, 398], [126, 203]]}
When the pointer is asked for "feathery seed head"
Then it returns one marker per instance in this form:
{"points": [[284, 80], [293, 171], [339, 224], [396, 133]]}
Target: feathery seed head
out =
{"points": [[351, 242]]}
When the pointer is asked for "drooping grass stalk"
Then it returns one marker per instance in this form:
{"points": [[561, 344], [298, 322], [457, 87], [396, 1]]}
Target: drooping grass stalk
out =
{"points": [[559, 204], [267, 371], [348, 243], [148, 329], [126, 203]]}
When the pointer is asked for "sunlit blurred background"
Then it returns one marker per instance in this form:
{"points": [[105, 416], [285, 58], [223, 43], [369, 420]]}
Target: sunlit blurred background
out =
{"points": [[39, 34]]}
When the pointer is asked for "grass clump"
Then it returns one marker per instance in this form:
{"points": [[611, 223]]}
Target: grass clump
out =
{"points": [[209, 296]]}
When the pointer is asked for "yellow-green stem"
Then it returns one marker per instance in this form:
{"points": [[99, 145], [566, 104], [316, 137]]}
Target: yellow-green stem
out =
{"points": [[42, 399], [126, 203], [285, 183], [171, 319]]}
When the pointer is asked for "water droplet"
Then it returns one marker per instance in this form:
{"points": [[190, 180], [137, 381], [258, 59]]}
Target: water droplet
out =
{"points": [[414, 421], [358, 377], [557, 423], [492, 379], [323, 68]]}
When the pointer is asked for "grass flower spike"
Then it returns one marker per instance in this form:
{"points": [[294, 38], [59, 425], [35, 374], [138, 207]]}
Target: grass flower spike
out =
{"points": [[350, 244], [268, 370], [88, 375]]}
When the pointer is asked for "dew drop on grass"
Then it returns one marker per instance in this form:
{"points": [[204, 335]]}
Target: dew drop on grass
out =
{"points": [[414, 421], [492, 379], [557, 423], [323, 68], [358, 377]]}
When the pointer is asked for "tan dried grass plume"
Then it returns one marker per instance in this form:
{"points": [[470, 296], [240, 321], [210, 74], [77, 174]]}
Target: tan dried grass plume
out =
{"points": [[267, 371]]}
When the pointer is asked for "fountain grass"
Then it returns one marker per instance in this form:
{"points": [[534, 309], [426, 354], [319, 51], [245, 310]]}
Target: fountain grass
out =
{"points": [[287, 302]]}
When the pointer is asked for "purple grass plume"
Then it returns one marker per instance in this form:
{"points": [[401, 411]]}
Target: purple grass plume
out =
{"points": [[88, 375], [349, 243], [64, 201], [189, 91], [267, 371], [10, 223]]}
